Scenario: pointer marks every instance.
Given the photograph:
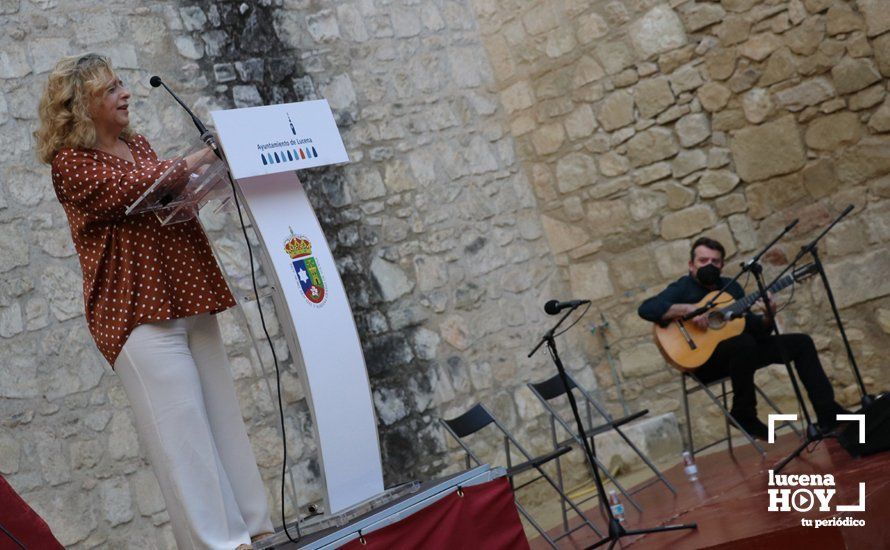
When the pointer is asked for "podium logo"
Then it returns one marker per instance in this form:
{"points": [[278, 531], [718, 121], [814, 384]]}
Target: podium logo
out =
{"points": [[812, 492], [306, 269]]}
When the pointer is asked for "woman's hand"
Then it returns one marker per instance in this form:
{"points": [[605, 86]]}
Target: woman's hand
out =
{"points": [[198, 159]]}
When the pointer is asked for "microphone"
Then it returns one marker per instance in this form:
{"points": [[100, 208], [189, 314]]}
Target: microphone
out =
{"points": [[206, 136], [555, 306]]}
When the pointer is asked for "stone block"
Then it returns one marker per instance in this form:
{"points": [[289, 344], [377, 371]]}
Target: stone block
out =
{"points": [[769, 196], [830, 133], [687, 222], [678, 196], [148, 495], [607, 217], [672, 258], [653, 96], [653, 172], [721, 63], [881, 47], [781, 66], [563, 236], [717, 182], [867, 98], [116, 501], [733, 30], [714, 96], [590, 27], [758, 105], [64, 289], [585, 71], [651, 146], [188, 47], [768, 150], [808, 93], [612, 164], [806, 38], [852, 75], [517, 97], [865, 278], [731, 204], [693, 129], [590, 281], [615, 56], [760, 46], [616, 110], [390, 279], [658, 31], [699, 16], [640, 360], [645, 203], [868, 159], [841, 19], [636, 269], [574, 171], [685, 79], [548, 138], [880, 120], [743, 231], [688, 161], [819, 178], [580, 123], [877, 16]]}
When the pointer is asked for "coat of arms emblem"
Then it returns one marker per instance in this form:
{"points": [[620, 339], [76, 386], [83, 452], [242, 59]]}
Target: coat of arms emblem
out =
{"points": [[305, 267]]}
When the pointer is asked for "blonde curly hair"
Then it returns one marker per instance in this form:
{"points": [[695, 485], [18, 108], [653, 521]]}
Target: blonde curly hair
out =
{"points": [[73, 87]]}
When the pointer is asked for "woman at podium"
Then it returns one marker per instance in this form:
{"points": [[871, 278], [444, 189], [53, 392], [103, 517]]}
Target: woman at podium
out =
{"points": [[150, 293]]}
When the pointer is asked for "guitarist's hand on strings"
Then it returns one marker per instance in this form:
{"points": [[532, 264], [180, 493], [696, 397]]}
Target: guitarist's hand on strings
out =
{"points": [[761, 309], [681, 310]]}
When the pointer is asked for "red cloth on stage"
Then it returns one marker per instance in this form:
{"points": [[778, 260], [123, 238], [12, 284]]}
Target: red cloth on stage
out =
{"points": [[22, 522], [484, 517]]}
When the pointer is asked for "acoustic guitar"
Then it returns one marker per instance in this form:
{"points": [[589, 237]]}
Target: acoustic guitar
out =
{"points": [[687, 347]]}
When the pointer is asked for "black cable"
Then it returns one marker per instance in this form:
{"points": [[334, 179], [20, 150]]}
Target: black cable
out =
{"points": [[11, 536], [583, 313], [274, 359]]}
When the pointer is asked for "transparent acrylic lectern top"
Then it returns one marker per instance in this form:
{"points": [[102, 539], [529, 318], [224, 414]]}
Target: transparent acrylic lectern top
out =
{"points": [[180, 192]]}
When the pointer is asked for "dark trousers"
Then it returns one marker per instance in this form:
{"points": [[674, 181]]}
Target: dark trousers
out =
{"points": [[739, 357]]}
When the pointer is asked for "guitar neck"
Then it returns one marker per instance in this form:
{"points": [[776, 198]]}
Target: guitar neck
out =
{"points": [[743, 304]]}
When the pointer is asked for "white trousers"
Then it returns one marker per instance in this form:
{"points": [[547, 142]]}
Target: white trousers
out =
{"points": [[177, 377]]}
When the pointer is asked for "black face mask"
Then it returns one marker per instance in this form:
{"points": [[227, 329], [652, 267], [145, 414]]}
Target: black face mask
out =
{"points": [[708, 275]]}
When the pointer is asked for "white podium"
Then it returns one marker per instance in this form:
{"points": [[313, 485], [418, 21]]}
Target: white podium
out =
{"points": [[264, 146]]}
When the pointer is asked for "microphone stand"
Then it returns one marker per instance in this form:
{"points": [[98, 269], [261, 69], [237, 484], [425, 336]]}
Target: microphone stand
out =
{"points": [[812, 433], [811, 248], [616, 530]]}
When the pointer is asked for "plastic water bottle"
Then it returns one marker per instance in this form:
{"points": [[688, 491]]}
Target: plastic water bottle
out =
{"points": [[691, 469], [617, 507]]}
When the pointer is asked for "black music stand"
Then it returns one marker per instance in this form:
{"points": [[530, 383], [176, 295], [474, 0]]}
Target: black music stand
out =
{"points": [[616, 530]]}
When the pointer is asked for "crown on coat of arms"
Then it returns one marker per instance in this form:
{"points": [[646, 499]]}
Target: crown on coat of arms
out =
{"points": [[297, 247]]}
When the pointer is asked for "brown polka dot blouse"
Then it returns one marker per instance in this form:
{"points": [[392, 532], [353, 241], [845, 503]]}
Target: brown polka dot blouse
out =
{"points": [[135, 270]]}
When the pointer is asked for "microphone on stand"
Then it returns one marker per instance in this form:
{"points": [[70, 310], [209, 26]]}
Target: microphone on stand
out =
{"points": [[555, 306], [206, 136]]}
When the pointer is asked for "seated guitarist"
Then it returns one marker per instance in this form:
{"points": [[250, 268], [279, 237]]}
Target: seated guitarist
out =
{"points": [[739, 356]]}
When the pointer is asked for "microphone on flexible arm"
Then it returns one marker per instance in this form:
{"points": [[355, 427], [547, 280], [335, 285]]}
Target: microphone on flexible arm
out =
{"points": [[555, 306], [206, 136]]}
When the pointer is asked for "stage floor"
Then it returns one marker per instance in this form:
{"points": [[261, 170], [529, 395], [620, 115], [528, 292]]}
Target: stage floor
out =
{"points": [[729, 503]]}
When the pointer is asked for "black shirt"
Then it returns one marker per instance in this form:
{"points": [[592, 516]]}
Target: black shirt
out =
{"points": [[687, 290]]}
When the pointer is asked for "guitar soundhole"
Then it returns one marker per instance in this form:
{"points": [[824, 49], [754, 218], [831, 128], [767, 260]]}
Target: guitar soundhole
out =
{"points": [[716, 320]]}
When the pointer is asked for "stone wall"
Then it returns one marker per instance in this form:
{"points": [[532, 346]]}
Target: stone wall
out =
{"points": [[503, 153]]}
